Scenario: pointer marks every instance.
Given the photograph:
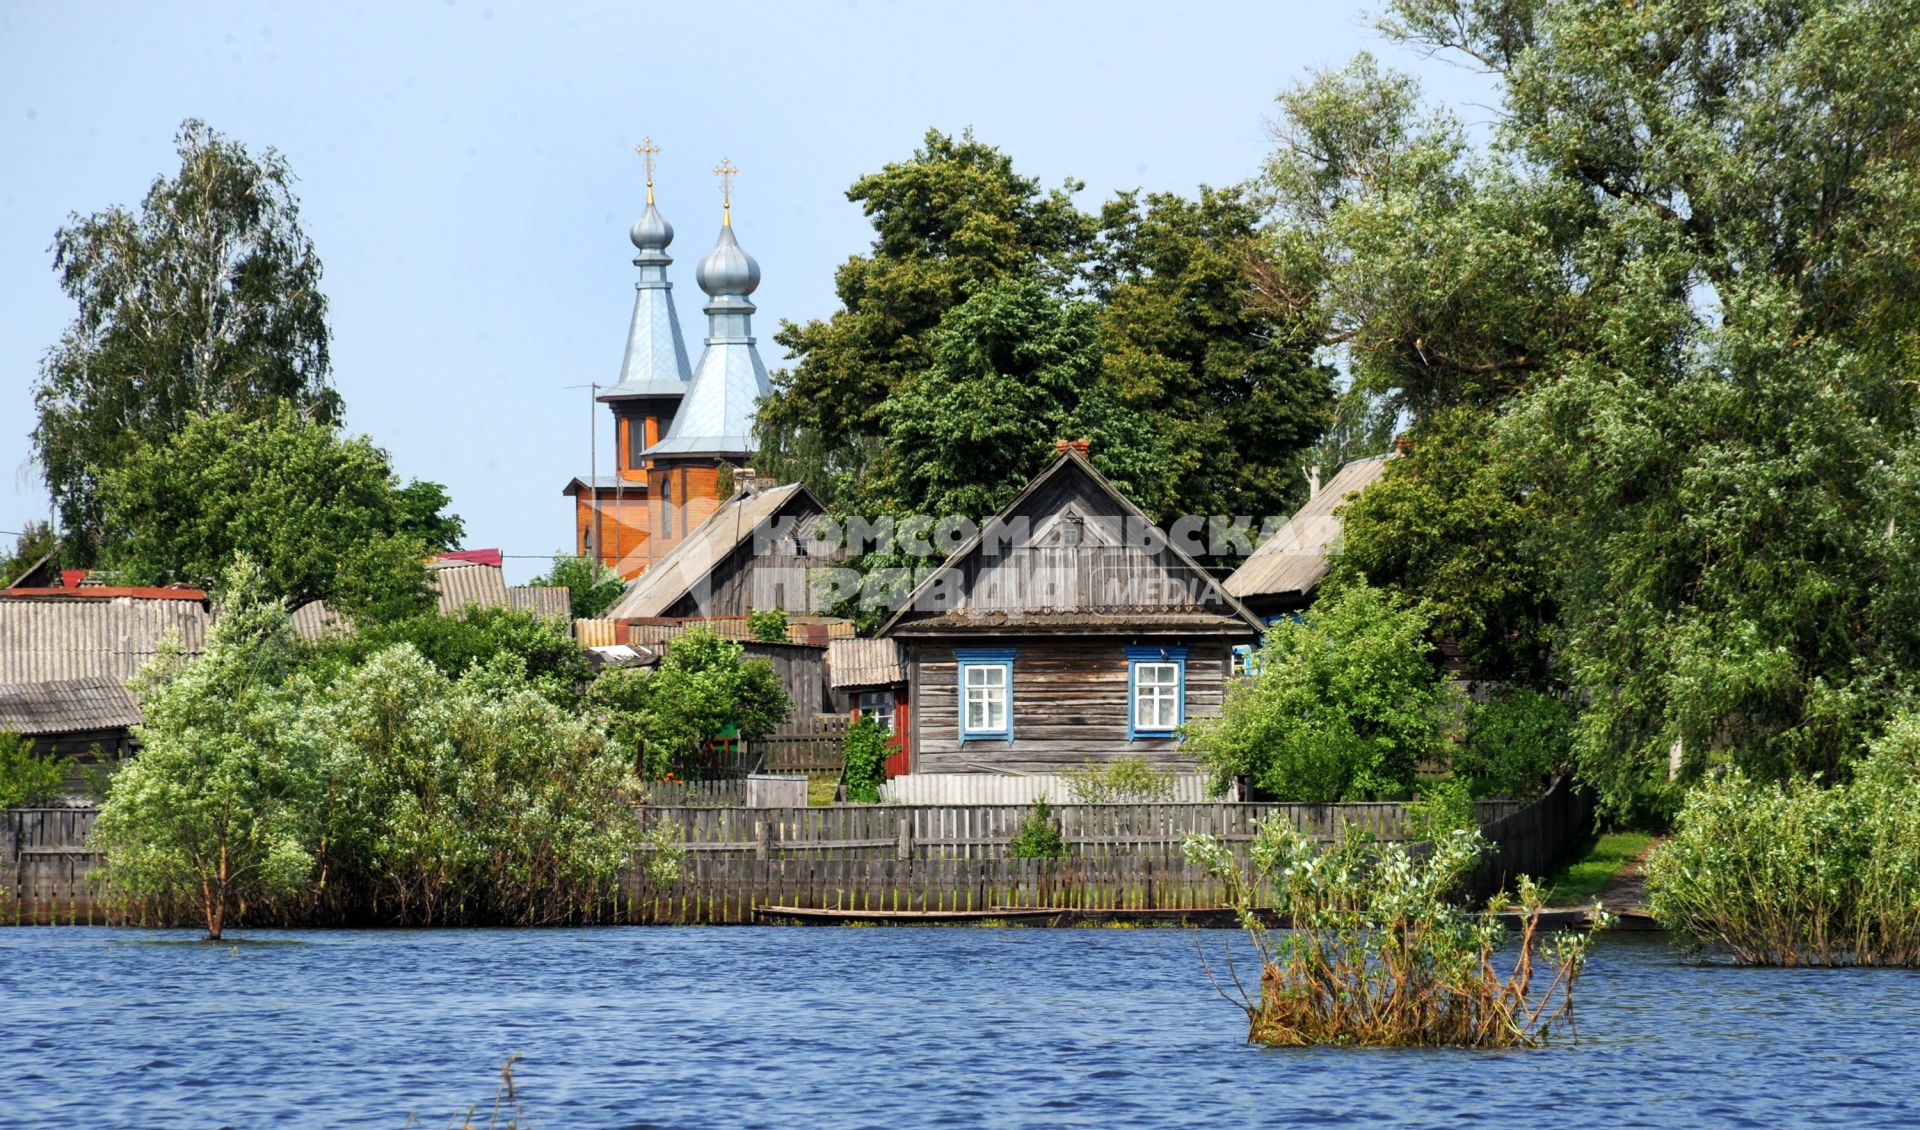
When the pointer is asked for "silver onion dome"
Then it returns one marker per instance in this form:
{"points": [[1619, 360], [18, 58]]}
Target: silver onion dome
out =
{"points": [[651, 232], [728, 270]]}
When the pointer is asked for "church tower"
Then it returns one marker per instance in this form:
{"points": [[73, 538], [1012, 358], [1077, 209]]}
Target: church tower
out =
{"points": [[675, 426], [715, 422]]}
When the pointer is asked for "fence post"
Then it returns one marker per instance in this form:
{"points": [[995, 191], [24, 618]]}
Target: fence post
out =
{"points": [[906, 839], [762, 839]]}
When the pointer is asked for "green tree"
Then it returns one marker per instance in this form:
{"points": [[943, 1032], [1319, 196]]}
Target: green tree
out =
{"points": [[664, 718], [1344, 705], [221, 806], [949, 222], [474, 636], [28, 778], [1235, 383], [1012, 370], [594, 587], [864, 752], [322, 515], [1459, 523], [205, 301]]}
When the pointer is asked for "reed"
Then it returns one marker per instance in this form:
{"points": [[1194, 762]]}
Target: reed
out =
{"points": [[1374, 953]]}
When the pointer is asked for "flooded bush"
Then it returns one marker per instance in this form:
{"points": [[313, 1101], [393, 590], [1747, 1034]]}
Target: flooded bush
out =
{"points": [[1799, 873], [1373, 953]]}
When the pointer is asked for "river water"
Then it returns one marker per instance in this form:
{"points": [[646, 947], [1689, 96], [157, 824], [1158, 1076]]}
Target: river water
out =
{"points": [[877, 1027]]}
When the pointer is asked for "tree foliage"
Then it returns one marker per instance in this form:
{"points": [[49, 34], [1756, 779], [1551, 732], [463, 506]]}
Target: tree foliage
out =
{"points": [[1344, 704], [207, 300], [220, 808], [592, 586], [1670, 311], [321, 515], [864, 752]]}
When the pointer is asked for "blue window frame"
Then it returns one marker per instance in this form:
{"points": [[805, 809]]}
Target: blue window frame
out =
{"points": [[1156, 691], [1245, 661], [986, 693]]}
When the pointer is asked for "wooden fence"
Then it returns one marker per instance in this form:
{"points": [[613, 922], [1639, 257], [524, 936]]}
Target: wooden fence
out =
{"points": [[880, 857], [813, 748]]}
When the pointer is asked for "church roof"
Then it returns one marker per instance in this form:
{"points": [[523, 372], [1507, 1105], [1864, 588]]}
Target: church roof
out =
{"points": [[716, 417], [656, 357]]}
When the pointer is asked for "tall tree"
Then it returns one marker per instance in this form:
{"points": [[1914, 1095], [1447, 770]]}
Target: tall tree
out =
{"points": [[206, 300], [1234, 388], [1010, 371], [1682, 286], [948, 222], [323, 515]]}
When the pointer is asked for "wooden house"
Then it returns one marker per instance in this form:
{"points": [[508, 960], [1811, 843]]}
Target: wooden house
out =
{"points": [[1066, 631], [1279, 578], [750, 554]]}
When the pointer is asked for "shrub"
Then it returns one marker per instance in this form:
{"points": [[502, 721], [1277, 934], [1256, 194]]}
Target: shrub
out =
{"points": [[1345, 703], [865, 754], [1515, 741], [1039, 837], [767, 624], [1119, 781], [1799, 873], [27, 778], [1377, 955], [665, 718], [1441, 809]]}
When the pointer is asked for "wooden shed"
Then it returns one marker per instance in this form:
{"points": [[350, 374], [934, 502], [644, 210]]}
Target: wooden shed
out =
{"points": [[90, 719], [1279, 577], [1066, 631], [751, 554]]}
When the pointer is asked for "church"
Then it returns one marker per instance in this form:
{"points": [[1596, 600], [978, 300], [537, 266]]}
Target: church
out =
{"points": [[680, 430]]}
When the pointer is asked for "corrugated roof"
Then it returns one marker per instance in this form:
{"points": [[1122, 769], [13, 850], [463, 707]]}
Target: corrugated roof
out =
{"points": [[1292, 561], [60, 638], [731, 526], [460, 583], [67, 706], [315, 621], [542, 600], [865, 663]]}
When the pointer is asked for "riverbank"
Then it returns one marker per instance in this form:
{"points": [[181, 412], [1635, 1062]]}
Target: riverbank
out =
{"points": [[690, 1027]]}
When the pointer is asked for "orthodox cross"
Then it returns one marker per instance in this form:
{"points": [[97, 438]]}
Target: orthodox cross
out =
{"points": [[725, 170], [647, 149]]}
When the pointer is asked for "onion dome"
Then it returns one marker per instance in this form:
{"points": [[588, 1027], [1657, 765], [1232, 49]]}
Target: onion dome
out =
{"points": [[728, 270], [651, 232]]}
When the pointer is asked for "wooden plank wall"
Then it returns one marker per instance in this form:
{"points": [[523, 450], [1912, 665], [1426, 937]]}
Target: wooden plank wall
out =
{"points": [[1070, 705]]}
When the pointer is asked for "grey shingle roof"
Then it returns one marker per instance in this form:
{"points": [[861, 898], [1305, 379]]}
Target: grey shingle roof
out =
{"points": [[730, 526], [54, 639], [65, 707], [865, 663], [1293, 561]]}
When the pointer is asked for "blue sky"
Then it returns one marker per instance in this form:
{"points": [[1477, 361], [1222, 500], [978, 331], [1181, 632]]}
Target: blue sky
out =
{"points": [[466, 172]]}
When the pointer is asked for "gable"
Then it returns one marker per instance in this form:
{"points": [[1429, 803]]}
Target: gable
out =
{"points": [[1069, 545]]}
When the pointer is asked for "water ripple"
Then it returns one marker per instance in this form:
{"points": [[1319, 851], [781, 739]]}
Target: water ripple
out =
{"points": [[882, 1028]]}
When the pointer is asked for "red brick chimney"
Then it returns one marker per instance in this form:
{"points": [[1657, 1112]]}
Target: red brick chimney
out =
{"points": [[1061, 446]]}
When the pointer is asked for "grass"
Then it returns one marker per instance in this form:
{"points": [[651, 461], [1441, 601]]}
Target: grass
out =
{"points": [[820, 790], [1605, 857]]}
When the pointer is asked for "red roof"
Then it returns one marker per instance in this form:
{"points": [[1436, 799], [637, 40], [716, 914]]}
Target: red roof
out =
{"points": [[106, 592], [474, 556]]}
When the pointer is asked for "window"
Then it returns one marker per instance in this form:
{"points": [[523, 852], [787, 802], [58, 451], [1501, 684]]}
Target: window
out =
{"points": [[878, 705], [636, 441], [986, 693], [1243, 664], [1157, 691]]}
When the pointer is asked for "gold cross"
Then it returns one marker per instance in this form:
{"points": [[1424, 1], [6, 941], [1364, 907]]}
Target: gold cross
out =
{"points": [[725, 170], [647, 149]]}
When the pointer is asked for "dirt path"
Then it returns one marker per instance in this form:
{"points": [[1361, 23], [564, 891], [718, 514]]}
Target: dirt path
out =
{"points": [[1627, 891]]}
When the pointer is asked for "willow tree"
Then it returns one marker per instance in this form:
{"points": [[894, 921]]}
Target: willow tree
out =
{"points": [[206, 299]]}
